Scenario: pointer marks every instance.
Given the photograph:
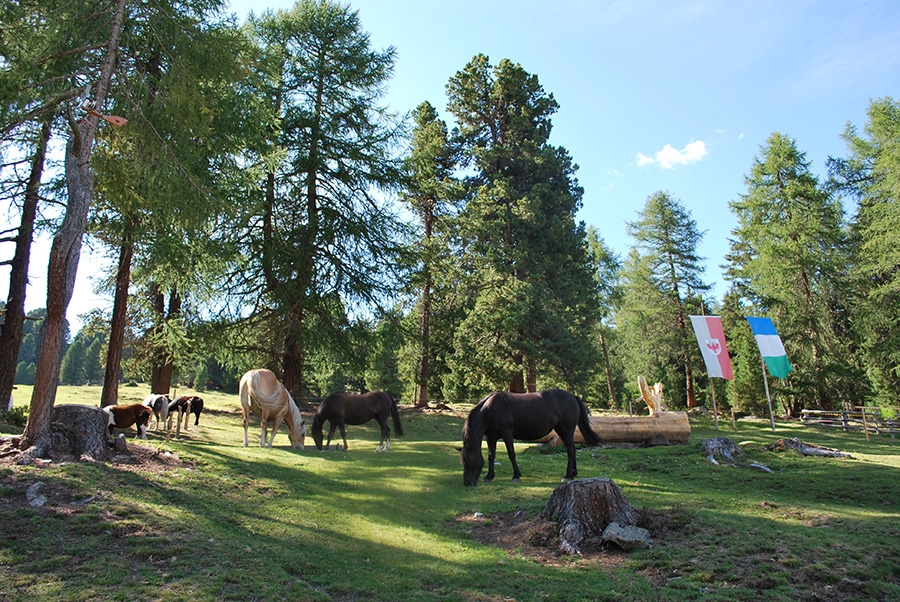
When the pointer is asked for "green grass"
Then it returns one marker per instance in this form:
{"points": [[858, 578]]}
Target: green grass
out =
{"points": [[235, 523]]}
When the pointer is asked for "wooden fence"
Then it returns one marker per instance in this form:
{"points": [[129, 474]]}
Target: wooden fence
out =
{"points": [[866, 419]]}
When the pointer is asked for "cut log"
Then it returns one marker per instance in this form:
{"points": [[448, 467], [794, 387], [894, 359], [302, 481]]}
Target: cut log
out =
{"points": [[582, 509], [807, 449], [674, 426]]}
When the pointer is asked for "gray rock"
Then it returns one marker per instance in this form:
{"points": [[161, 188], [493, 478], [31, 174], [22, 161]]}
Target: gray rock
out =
{"points": [[628, 537]]}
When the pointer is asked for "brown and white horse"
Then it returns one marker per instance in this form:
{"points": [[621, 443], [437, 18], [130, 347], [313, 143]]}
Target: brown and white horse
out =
{"points": [[262, 394], [122, 417]]}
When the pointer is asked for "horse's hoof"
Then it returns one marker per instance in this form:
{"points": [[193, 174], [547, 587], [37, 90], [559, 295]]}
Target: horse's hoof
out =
{"points": [[516, 480]]}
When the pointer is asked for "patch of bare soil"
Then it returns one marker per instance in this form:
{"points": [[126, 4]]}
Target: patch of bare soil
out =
{"points": [[136, 458]]}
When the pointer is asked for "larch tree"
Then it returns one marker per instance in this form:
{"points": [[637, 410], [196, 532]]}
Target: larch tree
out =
{"points": [[434, 195], [65, 250], [46, 63], [789, 254], [318, 236], [607, 270], [667, 236], [871, 174], [162, 184], [535, 303]]}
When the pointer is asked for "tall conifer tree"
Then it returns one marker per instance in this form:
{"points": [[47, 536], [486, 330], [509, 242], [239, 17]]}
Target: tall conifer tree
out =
{"points": [[536, 301]]}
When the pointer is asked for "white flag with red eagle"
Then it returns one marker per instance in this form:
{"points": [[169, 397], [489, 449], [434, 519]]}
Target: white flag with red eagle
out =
{"points": [[711, 339]]}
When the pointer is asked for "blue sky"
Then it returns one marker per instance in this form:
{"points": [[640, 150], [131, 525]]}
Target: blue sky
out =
{"points": [[654, 95]]}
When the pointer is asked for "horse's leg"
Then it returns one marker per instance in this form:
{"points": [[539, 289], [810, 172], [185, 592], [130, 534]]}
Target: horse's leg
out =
{"points": [[142, 431], [511, 452], [333, 425], [275, 426], [569, 442], [343, 428], [264, 423], [492, 453], [385, 443]]}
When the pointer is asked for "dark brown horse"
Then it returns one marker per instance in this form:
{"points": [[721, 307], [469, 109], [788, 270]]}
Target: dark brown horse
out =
{"points": [[523, 416], [341, 409]]}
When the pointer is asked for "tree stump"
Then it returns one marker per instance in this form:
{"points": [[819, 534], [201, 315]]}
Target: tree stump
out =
{"points": [[79, 432], [723, 447], [583, 509]]}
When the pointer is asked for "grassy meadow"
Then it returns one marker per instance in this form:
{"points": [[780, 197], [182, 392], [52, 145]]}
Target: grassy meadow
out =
{"points": [[208, 519]]}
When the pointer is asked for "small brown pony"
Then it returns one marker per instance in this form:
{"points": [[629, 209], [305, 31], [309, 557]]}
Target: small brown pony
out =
{"points": [[122, 417], [264, 395]]}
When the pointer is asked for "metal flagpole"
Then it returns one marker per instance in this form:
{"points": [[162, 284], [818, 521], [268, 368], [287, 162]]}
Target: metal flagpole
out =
{"points": [[712, 388], [768, 397]]}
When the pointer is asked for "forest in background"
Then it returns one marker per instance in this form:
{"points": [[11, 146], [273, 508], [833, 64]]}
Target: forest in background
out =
{"points": [[266, 210]]}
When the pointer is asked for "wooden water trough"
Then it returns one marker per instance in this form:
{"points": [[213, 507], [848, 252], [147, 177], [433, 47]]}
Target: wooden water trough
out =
{"points": [[674, 426]]}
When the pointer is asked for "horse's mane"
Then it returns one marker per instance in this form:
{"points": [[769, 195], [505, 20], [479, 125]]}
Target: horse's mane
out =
{"points": [[296, 417], [473, 428]]}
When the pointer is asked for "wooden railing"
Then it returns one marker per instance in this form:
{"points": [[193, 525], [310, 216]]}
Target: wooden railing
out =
{"points": [[867, 419]]}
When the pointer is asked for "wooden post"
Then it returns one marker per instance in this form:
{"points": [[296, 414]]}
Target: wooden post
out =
{"points": [[865, 424], [712, 388], [768, 397]]}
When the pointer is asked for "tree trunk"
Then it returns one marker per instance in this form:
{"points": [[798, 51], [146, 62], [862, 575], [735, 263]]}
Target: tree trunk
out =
{"points": [[424, 333], [531, 384], [110, 393], [292, 358], [164, 369], [14, 318], [425, 319], [64, 255], [583, 509], [613, 399]]}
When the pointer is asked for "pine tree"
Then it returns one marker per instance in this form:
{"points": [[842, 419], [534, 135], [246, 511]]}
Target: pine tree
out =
{"points": [[536, 303]]}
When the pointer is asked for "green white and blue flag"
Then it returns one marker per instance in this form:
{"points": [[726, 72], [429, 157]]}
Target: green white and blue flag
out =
{"points": [[770, 347]]}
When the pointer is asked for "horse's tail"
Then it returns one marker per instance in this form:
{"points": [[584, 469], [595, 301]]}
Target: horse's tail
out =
{"points": [[395, 414], [584, 424]]}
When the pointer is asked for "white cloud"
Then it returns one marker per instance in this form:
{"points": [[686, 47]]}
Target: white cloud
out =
{"points": [[669, 157]]}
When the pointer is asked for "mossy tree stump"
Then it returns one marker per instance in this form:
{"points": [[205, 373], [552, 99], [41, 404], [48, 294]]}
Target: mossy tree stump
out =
{"points": [[584, 508], [79, 432]]}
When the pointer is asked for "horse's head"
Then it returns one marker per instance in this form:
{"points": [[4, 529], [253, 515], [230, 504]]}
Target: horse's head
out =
{"points": [[470, 456], [298, 436], [317, 430]]}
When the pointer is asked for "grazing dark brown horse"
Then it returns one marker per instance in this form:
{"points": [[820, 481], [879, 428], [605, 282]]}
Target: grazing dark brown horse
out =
{"points": [[341, 409], [184, 406], [523, 416], [263, 394], [122, 417]]}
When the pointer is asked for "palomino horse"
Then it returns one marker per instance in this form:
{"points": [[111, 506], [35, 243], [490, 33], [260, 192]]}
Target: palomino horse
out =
{"points": [[122, 417], [523, 416], [341, 409], [262, 394]]}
